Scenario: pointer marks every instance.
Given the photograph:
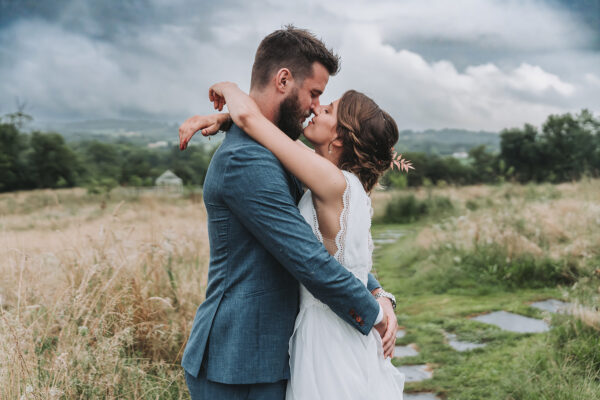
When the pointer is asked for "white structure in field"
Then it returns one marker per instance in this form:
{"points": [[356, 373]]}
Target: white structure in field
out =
{"points": [[169, 182], [461, 155]]}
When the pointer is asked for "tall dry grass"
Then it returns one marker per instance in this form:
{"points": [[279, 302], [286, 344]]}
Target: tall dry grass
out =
{"points": [[561, 221], [557, 222], [97, 296]]}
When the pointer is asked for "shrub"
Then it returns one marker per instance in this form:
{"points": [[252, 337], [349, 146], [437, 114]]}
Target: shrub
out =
{"points": [[486, 267], [407, 209], [490, 263]]}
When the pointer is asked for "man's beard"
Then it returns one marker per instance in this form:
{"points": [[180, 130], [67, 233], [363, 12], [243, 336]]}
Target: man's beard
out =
{"points": [[290, 116]]}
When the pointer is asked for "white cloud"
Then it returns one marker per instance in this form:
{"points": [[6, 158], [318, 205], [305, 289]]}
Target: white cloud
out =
{"points": [[420, 94], [484, 64], [592, 79]]}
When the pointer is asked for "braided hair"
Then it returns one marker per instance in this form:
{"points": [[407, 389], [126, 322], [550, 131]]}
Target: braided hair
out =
{"points": [[368, 135]]}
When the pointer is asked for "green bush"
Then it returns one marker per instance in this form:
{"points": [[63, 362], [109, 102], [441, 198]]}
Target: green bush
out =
{"points": [[407, 209], [576, 341], [489, 266], [565, 366]]}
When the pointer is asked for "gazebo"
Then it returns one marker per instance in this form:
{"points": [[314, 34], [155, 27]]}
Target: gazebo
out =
{"points": [[169, 182]]}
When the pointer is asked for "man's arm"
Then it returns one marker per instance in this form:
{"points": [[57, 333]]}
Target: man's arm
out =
{"points": [[257, 192], [372, 283]]}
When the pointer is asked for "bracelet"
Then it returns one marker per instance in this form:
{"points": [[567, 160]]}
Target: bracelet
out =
{"points": [[383, 293]]}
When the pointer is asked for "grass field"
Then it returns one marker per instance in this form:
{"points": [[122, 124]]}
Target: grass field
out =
{"points": [[97, 294], [499, 248]]}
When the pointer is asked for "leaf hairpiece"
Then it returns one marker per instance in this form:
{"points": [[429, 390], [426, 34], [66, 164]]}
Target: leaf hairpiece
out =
{"points": [[401, 163]]}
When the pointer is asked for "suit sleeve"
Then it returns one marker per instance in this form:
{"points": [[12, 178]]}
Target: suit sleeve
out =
{"points": [[372, 283], [257, 191]]}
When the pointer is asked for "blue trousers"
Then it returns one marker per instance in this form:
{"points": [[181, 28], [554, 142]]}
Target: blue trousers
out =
{"points": [[202, 389]]}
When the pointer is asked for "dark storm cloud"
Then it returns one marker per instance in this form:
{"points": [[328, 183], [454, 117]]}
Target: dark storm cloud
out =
{"points": [[477, 64]]}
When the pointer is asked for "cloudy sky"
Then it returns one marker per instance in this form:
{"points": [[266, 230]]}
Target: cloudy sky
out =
{"points": [[474, 64]]}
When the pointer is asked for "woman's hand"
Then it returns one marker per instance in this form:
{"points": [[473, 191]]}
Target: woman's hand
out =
{"points": [[207, 125], [216, 93], [242, 108]]}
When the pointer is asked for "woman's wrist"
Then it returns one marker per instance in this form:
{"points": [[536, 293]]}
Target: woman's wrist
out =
{"points": [[225, 122]]}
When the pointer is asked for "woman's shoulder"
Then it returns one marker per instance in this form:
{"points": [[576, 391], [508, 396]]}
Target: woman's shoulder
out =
{"points": [[353, 182]]}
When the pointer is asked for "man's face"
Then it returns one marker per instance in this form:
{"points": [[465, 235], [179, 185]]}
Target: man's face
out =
{"points": [[312, 88], [302, 99]]}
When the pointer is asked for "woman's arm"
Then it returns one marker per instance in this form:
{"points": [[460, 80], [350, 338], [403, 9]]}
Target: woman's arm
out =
{"points": [[323, 178], [206, 124]]}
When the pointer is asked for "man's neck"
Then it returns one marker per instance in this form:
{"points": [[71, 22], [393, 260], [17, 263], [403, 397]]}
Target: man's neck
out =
{"points": [[265, 103]]}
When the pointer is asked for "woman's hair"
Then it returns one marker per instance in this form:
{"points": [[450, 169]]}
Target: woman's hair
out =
{"points": [[368, 135]]}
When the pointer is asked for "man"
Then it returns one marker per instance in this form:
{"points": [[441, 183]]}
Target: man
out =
{"points": [[260, 245]]}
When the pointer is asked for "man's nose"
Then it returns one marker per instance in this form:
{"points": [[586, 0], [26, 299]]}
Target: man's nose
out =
{"points": [[316, 109], [315, 104]]}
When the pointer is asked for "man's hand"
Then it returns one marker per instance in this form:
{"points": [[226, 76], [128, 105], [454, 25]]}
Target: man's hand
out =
{"points": [[388, 326], [206, 124]]}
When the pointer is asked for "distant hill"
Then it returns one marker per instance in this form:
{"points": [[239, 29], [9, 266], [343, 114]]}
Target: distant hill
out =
{"points": [[110, 130], [143, 132], [446, 141]]}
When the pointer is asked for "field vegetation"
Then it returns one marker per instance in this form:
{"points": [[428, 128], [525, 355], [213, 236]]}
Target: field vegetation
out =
{"points": [[498, 248], [98, 293]]}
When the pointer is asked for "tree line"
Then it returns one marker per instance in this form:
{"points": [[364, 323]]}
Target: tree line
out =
{"points": [[566, 148], [44, 160]]}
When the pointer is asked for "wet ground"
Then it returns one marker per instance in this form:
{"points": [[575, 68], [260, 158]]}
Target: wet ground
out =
{"points": [[420, 396], [502, 319], [406, 351], [552, 305], [415, 373], [459, 345], [514, 322]]}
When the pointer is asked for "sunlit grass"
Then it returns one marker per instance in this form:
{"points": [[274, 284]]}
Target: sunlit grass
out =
{"points": [[97, 295], [501, 248]]}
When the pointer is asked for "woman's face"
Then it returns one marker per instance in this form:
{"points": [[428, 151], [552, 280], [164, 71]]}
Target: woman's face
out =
{"points": [[322, 129]]}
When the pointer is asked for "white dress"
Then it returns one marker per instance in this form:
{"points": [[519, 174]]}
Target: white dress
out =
{"points": [[329, 359]]}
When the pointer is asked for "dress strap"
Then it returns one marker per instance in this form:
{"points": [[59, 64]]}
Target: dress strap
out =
{"points": [[340, 238]]}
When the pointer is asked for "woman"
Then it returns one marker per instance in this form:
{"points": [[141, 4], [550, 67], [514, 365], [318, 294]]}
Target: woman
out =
{"points": [[353, 141]]}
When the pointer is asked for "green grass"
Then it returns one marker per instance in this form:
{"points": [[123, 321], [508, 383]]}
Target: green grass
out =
{"points": [[438, 293], [408, 208]]}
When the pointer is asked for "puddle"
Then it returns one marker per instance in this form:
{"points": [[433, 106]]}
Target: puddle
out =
{"points": [[400, 333], [387, 237], [514, 322], [405, 351], [415, 373], [420, 396], [552, 305], [393, 234], [460, 345], [384, 241]]}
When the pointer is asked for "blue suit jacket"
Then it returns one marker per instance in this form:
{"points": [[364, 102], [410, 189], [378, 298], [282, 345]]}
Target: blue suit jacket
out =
{"points": [[260, 248]]}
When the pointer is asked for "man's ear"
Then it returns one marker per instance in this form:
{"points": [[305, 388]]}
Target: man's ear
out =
{"points": [[283, 80]]}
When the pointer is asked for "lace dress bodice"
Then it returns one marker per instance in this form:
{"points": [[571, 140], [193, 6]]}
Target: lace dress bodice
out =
{"points": [[353, 241]]}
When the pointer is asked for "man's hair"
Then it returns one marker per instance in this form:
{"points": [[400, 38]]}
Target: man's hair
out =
{"points": [[294, 49]]}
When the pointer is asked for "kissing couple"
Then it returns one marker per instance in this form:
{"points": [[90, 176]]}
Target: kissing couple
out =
{"points": [[292, 310]]}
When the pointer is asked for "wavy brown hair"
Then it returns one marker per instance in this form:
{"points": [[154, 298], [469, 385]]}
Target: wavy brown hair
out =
{"points": [[368, 135]]}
